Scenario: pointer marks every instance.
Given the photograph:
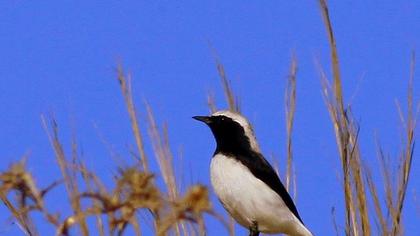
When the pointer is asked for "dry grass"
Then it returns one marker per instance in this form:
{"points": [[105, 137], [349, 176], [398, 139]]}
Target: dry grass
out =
{"points": [[231, 100], [28, 197], [136, 197], [125, 84], [356, 175], [290, 108], [113, 210], [346, 132]]}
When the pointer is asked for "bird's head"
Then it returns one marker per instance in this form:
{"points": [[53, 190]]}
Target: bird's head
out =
{"points": [[232, 131]]}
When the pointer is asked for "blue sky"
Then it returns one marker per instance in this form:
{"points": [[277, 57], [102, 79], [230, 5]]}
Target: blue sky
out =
{"points": [[60, 57]]}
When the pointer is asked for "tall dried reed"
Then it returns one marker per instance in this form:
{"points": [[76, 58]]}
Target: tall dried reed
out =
{"points": [[356, 175]]}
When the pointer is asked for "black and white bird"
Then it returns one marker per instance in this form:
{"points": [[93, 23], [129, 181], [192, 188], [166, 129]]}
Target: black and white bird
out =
{"points": [[244, 181]]}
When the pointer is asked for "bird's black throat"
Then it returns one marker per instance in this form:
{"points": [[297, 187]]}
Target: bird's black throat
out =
{"points": [[230, 136]]}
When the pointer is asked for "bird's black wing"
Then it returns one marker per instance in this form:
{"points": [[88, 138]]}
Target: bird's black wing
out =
{"points": [[260, 167]]}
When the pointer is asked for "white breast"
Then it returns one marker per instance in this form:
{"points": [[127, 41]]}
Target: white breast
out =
{"points": [[248, 199]]}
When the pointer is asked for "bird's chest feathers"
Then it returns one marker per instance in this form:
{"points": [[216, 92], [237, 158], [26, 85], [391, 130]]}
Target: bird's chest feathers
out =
{"points": [[241, 193], [230, 179]]}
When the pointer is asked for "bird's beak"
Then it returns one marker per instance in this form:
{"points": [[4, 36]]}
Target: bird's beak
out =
{"points": [[205, 119]]}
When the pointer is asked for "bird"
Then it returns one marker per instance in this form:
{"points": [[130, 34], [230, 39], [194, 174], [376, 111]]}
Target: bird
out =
{"points": [[245, 182]]}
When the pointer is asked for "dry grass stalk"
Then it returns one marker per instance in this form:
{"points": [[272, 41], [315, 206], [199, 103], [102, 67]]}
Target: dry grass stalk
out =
{"points": [[345, 164], [68, 172], [164, 157], [232, 101], [91, 181], [18, 180], [389, 185], [190, 208], [395, 179], [334, 221], [407, 153], [211, 103], [134, 190], [163, 154], [290, 108], [125, 84], [376, 202], [346, 130], [28, 197]]}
